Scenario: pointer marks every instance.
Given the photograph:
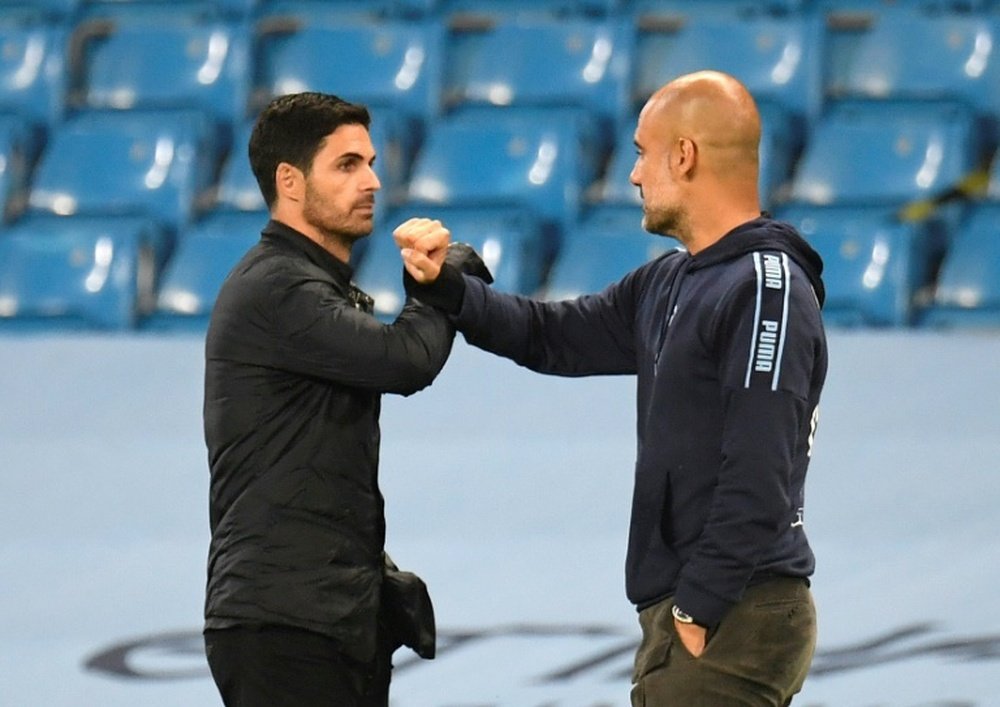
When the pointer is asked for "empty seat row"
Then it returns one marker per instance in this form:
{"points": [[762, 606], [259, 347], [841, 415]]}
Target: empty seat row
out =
{"points": [[33, 9], [96, 273], [525, 174], [423, 69]]}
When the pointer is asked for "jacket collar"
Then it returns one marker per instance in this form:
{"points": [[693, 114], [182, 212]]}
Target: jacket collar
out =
{"points": [[341, 271]]}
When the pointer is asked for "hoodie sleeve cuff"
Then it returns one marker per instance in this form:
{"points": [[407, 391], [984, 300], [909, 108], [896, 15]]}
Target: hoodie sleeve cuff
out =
{"points": [[706, 609], [445, 293]]}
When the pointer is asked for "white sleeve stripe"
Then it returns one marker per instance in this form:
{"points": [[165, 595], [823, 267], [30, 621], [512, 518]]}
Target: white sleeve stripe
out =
{"points": [[756, 318], [784, 322]]}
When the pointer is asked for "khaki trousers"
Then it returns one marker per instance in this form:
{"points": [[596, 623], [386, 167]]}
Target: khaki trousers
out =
{"points": [[758, 655]]}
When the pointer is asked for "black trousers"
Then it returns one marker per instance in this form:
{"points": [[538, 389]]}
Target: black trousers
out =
{"points": [[280, 666]]}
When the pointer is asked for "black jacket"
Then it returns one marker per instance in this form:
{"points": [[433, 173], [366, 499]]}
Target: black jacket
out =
{"points": [[730, 356], [295, 366]]}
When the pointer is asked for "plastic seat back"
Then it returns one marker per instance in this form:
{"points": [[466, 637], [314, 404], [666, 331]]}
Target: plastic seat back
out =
{"points": [[570, 62], [126, 162], [393, 65], [886, 153], [608, 244], [205, 254], [532, 160], [33, 73], [925, 56], [968, 287], [874, 266], [77, 272]]}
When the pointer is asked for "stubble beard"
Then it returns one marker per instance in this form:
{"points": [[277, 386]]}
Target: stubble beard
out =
{"points": [[340, 228], [665, 221]]}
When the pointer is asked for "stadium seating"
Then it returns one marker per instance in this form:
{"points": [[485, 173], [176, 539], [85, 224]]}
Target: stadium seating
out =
{"points": [[15, 156], [166, 10], [205, 254], [155, 64], [870, 152], [509, 9], [608, 243], [877, 7], [722, 9], [924, 56], [513, 120], [332, 10], [33, 75], [875, 267], [389, 65], [126, 163], [968, 287], [37, 11], [520, 159], [553, 63], [237, 188], [82, 272]]}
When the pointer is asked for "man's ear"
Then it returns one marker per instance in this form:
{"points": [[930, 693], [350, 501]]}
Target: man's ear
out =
{"points": [[685, 157], [289, 182]]}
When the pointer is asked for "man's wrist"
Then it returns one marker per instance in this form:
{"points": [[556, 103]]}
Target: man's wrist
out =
{"points": [[445, 293], [682, 616]]}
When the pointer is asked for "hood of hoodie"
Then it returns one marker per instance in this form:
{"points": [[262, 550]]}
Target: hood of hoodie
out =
{"points": [[765, 233]]}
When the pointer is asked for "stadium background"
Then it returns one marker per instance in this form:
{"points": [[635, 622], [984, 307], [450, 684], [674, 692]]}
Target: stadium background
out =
{"points": [[126, 197]]}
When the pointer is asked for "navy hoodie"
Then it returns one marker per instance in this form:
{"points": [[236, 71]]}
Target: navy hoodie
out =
{"points": [[730, 356]]}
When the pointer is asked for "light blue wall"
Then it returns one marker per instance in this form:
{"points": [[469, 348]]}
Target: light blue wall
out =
{"points": [[509, 493]]}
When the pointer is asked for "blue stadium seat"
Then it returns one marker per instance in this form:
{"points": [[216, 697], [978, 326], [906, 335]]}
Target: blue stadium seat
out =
{"points": [[37, 11], [33, 74], [166, 10], [205, 254], [531, 160], [339, 10], [886, 152], [155, 164], [878, 7], [15, 159], [77, 272], [875, 267], [723, 9], [607, 244], [529, 9], [508, 241], [994, 179], [557, 63], [779, 59], [924, 56], [178, 62], [237, 189], [390, 65], [968, 287]]}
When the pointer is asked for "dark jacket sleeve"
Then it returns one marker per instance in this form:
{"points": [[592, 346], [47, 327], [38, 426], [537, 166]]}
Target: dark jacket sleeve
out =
{"points": [[765, 404], [319, 333], [585, 336]]}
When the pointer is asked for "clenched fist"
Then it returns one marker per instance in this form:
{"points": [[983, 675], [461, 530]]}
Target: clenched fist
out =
{"points": [[424, 244]]}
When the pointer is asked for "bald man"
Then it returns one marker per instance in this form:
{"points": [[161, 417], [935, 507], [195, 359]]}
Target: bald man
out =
{"points": [[726, 341]]}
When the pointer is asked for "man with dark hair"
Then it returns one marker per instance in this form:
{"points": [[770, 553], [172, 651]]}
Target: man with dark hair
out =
{"points": [[302, 606], [727, 344]]}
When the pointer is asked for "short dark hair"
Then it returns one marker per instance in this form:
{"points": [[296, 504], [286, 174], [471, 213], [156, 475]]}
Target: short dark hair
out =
{"points": [[292, 129]]}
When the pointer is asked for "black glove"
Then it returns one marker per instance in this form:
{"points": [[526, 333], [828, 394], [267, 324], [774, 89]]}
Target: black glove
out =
{"points": [[447, 291]]}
